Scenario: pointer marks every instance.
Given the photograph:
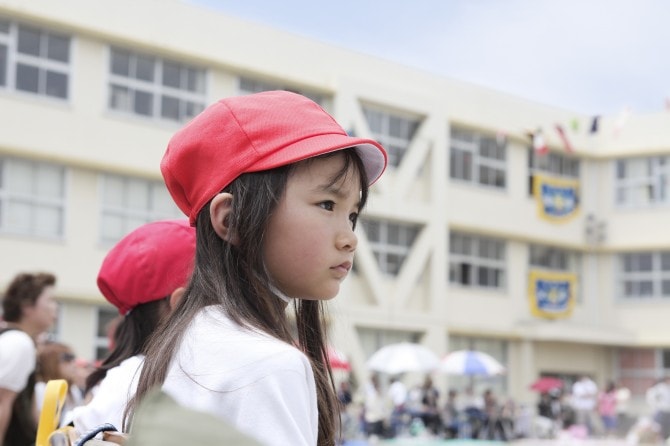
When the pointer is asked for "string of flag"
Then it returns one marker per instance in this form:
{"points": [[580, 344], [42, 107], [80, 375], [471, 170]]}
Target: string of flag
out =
{"points": [[537, 136]]}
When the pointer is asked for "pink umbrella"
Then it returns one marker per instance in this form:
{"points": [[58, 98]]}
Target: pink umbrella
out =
{"points": [[546, 384], [338, 360]]}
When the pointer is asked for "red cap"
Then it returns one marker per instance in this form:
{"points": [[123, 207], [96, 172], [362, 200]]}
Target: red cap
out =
{"points": [[148, 264], [252, 133]]}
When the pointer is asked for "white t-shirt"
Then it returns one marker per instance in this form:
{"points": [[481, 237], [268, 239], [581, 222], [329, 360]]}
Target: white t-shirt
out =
{"points": [[584, 394], [398, 393], [111, 396], [17, 359], [261, 385]]}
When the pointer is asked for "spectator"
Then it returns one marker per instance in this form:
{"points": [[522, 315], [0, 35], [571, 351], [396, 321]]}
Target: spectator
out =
{"points": [[397, 393], [431, 409], [584, 401], [607, 409], [57, 361], [658, 398], [29, 310]]}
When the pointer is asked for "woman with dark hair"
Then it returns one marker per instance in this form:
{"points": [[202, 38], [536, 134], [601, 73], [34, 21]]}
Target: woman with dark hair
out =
{"points": [[143, 275], [274, 187]]}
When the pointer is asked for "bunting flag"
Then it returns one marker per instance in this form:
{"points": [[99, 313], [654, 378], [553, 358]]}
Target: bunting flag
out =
{"points": [[538, 142], [594, 125], [551, 294], [556, 198], [564, 138], [621, 120], [574, 124]]}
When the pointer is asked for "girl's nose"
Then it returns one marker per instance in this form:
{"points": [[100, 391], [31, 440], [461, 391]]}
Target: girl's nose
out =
{"points": [[347, 239]]}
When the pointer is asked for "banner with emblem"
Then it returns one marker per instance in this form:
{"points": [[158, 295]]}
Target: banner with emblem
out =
{"points": [[551, 294], [557, 198]]}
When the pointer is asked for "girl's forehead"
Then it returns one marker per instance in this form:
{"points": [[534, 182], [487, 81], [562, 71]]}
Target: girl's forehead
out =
{"points": [[330, 171]]}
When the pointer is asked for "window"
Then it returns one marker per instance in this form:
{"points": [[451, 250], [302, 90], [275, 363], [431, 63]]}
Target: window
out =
{"points": [[477, 158], [32, 198], [149, 86], [390, 242], [393, 131], [34, 60], [476, 261], [645, 275], [249, 86], [643, 181], [554, 164], [637, 369], [128, 203], [107, 320]]}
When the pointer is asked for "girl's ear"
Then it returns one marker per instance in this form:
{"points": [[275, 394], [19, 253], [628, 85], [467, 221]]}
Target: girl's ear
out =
{"points": [[176, 296], [219, 214]]}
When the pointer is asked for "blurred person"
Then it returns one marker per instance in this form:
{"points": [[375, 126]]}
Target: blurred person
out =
{"points": [[375, 408], [29, 310], [397, 394], [584, 402], [430, 402], [57, 361], [624, 420], [473, 407], [607, 409], [451, 414], [494, 427], [143, 275], [658, 399]]}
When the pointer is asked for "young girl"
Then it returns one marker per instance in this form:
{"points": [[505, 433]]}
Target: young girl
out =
{"points": [[143, 276], [274, 187]]}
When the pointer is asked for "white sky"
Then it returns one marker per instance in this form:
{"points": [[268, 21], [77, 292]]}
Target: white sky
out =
{"points": [[590, 56]]}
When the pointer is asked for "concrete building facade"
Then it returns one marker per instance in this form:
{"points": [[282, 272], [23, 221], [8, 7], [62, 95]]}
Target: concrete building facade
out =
{"points": [[454, 238]]}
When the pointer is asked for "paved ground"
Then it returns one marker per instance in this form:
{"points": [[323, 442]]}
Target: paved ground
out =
{"points": [[525, 442]]}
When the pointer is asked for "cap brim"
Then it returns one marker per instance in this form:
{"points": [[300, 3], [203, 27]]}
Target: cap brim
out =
{"points": [[371, 152]]}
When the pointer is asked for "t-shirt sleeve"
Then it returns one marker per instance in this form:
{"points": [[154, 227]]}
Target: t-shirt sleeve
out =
{"points": [[17, 360]]}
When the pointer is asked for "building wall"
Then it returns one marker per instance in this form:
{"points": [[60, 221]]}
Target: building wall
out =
{"points": [[83, 134]]}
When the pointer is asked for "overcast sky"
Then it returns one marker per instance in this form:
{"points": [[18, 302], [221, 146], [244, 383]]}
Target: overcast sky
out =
{"points": [[590, 56]]}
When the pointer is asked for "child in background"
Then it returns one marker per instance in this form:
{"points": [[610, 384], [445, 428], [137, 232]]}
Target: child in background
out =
{"points": [[274, 187], [143, 276], [57, 361]]}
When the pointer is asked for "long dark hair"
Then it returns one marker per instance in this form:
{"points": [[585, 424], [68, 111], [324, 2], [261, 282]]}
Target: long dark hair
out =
{"points": [[234, 277], [130, 337]]}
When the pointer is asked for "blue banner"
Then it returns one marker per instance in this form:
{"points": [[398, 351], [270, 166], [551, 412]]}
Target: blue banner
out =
{"points": [[551, 294], [557, 199]]}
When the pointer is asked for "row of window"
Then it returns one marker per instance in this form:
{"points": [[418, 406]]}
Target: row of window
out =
{"points": [[37, 61], [32, 201]]}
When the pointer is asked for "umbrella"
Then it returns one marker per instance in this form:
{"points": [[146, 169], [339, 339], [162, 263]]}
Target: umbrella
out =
{"points": [[403, 357], [546, 384], [470, 362], [338, 360]]}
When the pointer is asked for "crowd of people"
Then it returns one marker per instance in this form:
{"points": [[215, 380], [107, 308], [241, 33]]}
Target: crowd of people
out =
{"points": [[386, 408], [394, 410]]}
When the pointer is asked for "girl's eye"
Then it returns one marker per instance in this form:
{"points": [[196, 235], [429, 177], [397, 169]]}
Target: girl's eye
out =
{"points": [[353, 217], [327, 205]]}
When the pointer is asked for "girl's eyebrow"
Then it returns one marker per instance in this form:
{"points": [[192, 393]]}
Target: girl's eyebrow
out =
{"points": [[333, 190]]}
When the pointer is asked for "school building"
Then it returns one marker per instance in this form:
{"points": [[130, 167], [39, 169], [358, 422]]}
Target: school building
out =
{"points": [[556, 263]]}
